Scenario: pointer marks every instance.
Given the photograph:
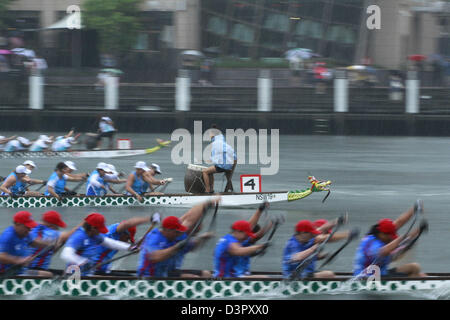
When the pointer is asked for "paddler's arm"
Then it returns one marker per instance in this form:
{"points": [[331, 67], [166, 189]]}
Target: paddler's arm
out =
{"points": [[340, 236], [32, 181], [391, 246], [404, 217], [52, 192], [6, 258], [132, 222], [255, 217], [7, 184], [115, 244], [163, 254], [152, 180], [235, 249], [76, 177], [302, 255]]}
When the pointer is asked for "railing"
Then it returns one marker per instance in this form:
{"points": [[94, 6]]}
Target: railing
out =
{"points": [[288, 99]]}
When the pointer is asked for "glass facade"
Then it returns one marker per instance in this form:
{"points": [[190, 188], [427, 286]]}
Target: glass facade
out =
{"points": [[268, 28]]}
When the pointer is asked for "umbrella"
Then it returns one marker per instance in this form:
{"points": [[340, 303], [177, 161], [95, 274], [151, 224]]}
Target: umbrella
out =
{"points": [[192, 53], [24, 52], [302, 53], [417, 57], [5, 52]]}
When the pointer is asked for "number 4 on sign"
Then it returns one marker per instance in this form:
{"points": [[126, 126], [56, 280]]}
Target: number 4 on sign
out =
{"points": [[250, 183]]}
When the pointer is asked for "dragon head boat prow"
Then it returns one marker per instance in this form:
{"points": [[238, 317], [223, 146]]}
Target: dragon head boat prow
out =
{"points": [[316, 186]]}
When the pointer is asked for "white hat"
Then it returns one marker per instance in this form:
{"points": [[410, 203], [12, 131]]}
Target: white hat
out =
{"points": [[2, 137], [141, 165], [156, 167], [22, 169], [23, 140], [112, 169], [31, 163], [45, 138], [106, 119], [103, 166], [71, 165]]}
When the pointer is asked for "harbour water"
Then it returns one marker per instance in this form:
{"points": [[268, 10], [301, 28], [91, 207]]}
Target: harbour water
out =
{"points": [[373, 178]]}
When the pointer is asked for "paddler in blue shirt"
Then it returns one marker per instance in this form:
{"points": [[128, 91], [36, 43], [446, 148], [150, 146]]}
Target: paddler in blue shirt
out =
{"points": [[124, 231], [163, 248], [137, 183], [15, 242], [303, 244], [82, 246], [15, 184], [56, 184], [379, 248], [48, 230], [97, 182]]}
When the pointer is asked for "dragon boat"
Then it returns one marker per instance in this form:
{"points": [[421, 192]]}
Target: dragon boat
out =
{"points": [[195, 288], [116, 153], [185, 200]]}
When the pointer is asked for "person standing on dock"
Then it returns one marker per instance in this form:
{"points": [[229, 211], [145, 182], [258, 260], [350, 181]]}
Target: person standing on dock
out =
{"points": [[381, 245], [223, 158]]}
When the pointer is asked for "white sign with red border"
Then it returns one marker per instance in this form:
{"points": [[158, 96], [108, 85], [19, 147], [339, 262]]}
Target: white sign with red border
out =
{"points": [[123, 144], [250, 183]]}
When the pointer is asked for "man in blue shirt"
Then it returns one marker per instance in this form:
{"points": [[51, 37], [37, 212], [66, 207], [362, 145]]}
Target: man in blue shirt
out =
{"points": [[303, 244], [123, 231], [48, 230], [15, 242], [223, 158], [82, 246], [382, 245], [56, 184], [163, 249], [229, 248]]}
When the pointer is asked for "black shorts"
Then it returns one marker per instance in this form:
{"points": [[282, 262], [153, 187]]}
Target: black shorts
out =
{"points": [[219, 169], [109, 134]]}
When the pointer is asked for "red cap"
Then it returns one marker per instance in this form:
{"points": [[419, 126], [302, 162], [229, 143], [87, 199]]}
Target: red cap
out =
{"points": [[173, 223], [24, 217], [387, 226], [243, 225], [53, 217], [306, 226], [131, 233], [97, 221], [320, 222]]}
